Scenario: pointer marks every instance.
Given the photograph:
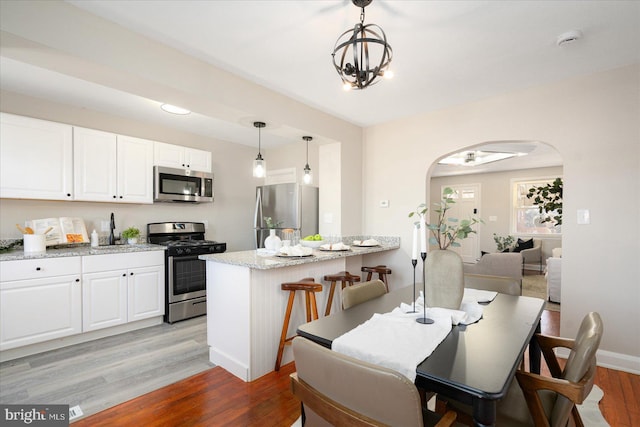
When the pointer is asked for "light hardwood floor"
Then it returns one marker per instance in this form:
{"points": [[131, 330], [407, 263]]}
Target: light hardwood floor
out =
{"points": [[105, 372]]}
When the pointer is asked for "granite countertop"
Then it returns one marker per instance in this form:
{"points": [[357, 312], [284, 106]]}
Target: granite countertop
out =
{"points": [[84, 250], [254, 259]]}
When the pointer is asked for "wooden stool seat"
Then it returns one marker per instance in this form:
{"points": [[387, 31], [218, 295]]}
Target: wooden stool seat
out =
{"points": [[309, 287], [345, 278], [382, 272]]}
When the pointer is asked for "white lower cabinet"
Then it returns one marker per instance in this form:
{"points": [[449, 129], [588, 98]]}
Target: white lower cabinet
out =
{"points": [[133, 292], [40, 300], [46, 299], [104, 299]]}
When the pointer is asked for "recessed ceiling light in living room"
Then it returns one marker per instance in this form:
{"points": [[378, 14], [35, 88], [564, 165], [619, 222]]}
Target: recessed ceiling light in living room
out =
{"points": [[475, 158], [174, 109]]}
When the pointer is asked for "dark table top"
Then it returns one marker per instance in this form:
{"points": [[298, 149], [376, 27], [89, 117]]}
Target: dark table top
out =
{"points": [[474, 361]]}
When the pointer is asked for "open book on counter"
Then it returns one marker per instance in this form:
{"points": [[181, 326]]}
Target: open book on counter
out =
{"points": [[63, 230]]}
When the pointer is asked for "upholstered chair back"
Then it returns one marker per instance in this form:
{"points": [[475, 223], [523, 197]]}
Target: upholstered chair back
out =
{"points": [[377, 392], [501, 284], [361, 292], [581, 359]]}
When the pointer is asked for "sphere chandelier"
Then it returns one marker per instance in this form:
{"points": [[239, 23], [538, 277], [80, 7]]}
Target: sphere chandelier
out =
{"points": [[362, 45]]}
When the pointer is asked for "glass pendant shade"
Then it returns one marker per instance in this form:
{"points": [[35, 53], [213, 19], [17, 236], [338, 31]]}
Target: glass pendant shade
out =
{"points": [[259, 167], [307, 178], [259, 164]]}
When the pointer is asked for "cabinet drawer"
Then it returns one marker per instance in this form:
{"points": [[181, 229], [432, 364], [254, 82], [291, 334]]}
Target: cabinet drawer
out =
{"points": [[38, 268], [106, 262]]}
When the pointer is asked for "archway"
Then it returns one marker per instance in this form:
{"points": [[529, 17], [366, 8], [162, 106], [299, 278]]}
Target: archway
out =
{"points": [[494, 186]]}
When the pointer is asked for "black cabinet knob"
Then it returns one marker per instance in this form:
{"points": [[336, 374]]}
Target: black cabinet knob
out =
{"points": [[77, 280], [37, 268], [130, 274], [114, 196]]}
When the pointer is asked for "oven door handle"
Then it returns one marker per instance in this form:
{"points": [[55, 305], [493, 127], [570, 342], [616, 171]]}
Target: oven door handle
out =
{"points": [[181, 258]]}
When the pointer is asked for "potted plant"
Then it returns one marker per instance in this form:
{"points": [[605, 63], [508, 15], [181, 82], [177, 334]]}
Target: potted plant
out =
{"points": [[503, 244], [548, 198], [444, 276], [272, 242], [131, 234]]}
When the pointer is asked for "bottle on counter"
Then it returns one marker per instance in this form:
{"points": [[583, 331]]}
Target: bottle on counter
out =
{"points": [[94, 239]]}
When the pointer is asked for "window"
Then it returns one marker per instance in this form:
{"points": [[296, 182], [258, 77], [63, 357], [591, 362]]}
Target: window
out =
{"points": [[525, 216]]}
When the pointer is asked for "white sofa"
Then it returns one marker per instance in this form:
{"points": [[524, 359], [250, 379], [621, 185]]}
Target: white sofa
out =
{"points": [[554, 273], [506, 264]]}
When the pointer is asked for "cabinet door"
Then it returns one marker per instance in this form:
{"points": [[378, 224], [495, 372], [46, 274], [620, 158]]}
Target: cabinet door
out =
{"points": [[35, 159], [95, 171], [104, 299], [135, 170], [198, 160], [37, 310], [146, 292], [168, 155]]}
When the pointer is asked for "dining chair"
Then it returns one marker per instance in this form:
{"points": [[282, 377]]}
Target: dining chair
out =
{"points": [[338, 390], [357, 294], [501, 284], [536, 400]]}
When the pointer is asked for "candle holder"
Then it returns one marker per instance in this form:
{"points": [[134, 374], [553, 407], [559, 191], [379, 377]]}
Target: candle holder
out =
{"points": [[414, 262], [424, 319]]}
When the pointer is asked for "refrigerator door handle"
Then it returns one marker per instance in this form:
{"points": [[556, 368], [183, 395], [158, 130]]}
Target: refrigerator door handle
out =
{"points": [[258, 216]]}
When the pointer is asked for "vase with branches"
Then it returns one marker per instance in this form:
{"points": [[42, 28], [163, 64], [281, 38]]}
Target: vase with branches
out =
{"points": [[446, 231]]}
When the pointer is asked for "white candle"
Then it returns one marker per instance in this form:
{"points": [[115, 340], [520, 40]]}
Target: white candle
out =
{"points": [[423, 235], [414, 253]]}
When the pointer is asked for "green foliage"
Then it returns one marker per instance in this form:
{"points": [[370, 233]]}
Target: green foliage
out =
{"points": [[446, 231], [503, 243], [270, 223], [548, 198], [131, 233]]}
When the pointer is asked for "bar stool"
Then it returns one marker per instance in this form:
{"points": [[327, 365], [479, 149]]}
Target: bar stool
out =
{"points": [[382, 271], [309, 287], [345, 278]]}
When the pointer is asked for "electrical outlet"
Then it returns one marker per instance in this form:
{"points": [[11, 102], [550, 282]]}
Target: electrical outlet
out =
{"points": [[206, 224], [104, 225]]}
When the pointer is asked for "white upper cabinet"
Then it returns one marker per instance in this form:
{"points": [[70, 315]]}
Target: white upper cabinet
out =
{"points": [[176, 156], [112, 168], [36, 159]]}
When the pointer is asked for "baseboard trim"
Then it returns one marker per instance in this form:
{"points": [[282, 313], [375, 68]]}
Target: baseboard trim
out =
{"points": [[611, 360]]}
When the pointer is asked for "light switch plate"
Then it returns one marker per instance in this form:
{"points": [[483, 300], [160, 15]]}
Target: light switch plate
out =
{"points": [[384, 203], [584, 217]]}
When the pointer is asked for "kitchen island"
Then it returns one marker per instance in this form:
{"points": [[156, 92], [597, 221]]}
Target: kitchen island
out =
{"points": [[245, 304]]}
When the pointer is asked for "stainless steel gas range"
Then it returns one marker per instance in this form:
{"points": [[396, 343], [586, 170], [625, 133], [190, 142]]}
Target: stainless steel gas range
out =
{"points": [[185, 274]]}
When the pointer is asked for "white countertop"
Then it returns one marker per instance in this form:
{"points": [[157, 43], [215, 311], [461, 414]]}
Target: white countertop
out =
{"points": [[18, 253], [255, 260]]}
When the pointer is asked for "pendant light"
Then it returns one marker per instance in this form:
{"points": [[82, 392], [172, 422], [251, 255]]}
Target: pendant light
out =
{"points": [[259, 164], [307, 178], [367, 48]]}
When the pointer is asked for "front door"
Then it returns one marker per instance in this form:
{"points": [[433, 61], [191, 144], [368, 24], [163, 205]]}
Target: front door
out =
{"points": [[466, 206]]}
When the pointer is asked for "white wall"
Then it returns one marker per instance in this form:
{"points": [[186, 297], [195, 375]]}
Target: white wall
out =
{"points": [[593, 121]]}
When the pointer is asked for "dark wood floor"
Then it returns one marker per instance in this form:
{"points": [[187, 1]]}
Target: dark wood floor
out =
{"points": [[217, 398]]}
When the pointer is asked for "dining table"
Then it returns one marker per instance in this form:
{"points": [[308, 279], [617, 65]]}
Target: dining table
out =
{"points": [[474, 364]]}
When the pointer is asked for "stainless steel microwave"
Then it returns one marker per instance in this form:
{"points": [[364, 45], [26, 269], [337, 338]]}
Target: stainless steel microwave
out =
{"points": [[181, 185]]}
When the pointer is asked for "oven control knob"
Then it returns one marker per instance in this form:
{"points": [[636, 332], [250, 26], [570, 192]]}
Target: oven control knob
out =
{"points": [[179, 251], [188, 250]]}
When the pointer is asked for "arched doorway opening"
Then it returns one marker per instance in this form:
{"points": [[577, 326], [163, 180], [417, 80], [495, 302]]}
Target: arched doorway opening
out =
{"points": [[489, 178]]}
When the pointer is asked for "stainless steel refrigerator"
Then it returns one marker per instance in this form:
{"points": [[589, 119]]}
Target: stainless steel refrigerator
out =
{"points": [[288, 205]]}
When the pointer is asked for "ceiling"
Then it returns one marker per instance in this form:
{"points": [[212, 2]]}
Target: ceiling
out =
{"points": [[445, 53]]}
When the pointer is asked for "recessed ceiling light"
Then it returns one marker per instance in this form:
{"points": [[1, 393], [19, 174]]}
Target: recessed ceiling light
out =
{"points": [[174, 110], [569, 37]]}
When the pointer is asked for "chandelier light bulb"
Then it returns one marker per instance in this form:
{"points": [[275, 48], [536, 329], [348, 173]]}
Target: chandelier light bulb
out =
{"points": [[307, 178]]}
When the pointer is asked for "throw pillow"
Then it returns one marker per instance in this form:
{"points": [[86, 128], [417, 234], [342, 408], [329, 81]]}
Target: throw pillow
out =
{"points": [[523, 244]]}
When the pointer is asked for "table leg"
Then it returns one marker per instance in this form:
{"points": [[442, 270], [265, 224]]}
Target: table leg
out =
{"points": [[535, 352], [484, 413]]}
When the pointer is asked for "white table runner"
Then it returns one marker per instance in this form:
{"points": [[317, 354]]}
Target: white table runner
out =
{"points": [[396, 341]]}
